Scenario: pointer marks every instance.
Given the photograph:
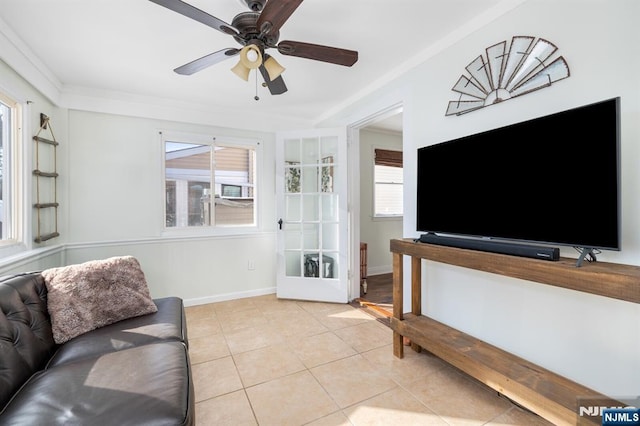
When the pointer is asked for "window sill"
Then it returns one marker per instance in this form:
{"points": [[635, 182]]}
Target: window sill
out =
{"points": [[11, 248], [27, 256], [206, 232], [387, 218]]}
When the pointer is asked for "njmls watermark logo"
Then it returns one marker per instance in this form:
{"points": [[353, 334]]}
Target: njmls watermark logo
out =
{"points": [[621, 416], [623, 411]]}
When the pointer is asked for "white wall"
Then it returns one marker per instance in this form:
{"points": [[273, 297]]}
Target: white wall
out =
{"points": [[200, 270], [35, 260], [590, 339], [116, 207], [376, 232]]}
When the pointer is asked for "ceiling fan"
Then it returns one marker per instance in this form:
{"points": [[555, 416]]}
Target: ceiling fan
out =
{"points": [[258, 30]]}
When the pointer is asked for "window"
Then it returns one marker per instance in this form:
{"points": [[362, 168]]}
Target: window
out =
{"points": [[231, 191], [388, 183], [9, 137], [209, 183]]}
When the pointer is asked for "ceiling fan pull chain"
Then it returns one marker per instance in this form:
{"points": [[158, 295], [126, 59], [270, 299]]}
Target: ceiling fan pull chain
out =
{"points": [[256, 97]]}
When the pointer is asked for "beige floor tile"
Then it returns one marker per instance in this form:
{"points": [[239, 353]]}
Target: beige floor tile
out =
{"points": [[291, 400], [298, 325], [404, 370], [271, 304], [232, 409], [352, 380], [457, 398], [285, 312], [214, 378], [200, 312], [235, 305], [366, 336], [334, 419], [202, 349], [321, 349], [251, 338], [262, 365], [203, 327], [519, 417], [318, 307], [342, 316], [267, 361], [394, 407], [232, 321]]}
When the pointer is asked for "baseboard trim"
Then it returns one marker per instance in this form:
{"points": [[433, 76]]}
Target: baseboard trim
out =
{"points": [[379, 270], [229, 296]]}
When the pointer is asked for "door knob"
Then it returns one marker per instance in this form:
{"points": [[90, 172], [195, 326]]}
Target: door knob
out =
{"points": [[280, 223]]}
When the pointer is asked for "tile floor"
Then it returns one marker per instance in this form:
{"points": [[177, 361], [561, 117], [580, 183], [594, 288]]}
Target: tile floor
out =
{"points": [[264, 361]]}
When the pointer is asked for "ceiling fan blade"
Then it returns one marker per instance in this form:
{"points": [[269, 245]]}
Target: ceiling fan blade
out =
{"points": [[275, 14], [206, 61], [318, 52], [275, 86], [197, 14]]}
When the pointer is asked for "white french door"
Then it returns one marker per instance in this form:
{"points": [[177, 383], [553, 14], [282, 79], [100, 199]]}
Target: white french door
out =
{"points": [[311, 197]]}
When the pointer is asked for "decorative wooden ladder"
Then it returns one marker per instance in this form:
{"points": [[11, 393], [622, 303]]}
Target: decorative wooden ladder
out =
{"points": [[49, 205]]}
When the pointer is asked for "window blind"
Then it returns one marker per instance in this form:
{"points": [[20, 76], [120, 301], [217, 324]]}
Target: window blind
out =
{"points": [[387, 157]]}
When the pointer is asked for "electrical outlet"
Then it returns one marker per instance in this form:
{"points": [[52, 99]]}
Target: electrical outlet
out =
{"points": [[251, 265]]}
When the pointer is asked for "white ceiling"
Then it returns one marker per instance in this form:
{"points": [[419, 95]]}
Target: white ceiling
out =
{"points": [[129, 48]]}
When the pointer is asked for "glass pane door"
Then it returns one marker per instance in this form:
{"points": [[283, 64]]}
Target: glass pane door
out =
{"points": [[311, 238]]}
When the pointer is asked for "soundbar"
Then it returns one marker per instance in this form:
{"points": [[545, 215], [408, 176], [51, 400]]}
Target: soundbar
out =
{"points": [[522, 250]]}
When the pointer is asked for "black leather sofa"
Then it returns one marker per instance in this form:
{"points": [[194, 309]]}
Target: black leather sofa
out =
{"points": [[133, 372]]}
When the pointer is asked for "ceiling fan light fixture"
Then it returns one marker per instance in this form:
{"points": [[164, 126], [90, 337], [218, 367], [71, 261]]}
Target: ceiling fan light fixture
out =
{"points": [[274, 69], [241, 71], [250, 56], [250, 59]]}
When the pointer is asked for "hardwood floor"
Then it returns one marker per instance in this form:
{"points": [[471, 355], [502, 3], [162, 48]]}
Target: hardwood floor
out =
{"points": [[378, 301]]}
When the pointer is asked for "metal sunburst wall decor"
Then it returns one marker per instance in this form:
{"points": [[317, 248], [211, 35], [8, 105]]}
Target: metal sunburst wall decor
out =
{"points": [[506, 71]]}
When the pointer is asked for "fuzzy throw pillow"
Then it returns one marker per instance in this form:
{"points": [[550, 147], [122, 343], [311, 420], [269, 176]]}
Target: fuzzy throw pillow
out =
{"points": [[93, 294]]}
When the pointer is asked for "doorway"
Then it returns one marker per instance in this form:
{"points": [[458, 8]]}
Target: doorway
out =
{"points": [[380, 206]]}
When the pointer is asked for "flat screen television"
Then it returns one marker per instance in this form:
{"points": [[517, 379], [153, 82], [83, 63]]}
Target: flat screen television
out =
{"points": [[553, 180]]}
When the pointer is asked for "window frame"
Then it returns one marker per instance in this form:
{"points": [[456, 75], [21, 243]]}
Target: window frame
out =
{"points": [[212, 142], [225, 186], [375, 215], [16, 180]]}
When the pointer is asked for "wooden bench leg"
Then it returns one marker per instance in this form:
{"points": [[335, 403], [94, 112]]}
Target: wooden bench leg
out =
{"points": [[398, 347]]}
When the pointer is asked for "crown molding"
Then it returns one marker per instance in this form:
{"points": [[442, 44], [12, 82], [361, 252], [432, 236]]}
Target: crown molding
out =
{"points": [[121, 103], [15, 53], [18, 56]]}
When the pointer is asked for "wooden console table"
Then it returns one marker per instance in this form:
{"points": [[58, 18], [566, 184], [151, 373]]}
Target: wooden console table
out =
{"points": [[551, 396]]}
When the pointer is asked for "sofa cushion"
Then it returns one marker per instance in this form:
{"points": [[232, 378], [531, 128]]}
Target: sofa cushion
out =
{"points": [[93, 294], [147, 385], [166, 324]]}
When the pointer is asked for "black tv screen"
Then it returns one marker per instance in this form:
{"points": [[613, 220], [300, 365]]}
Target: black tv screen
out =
{"points": [[553, 179]]}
